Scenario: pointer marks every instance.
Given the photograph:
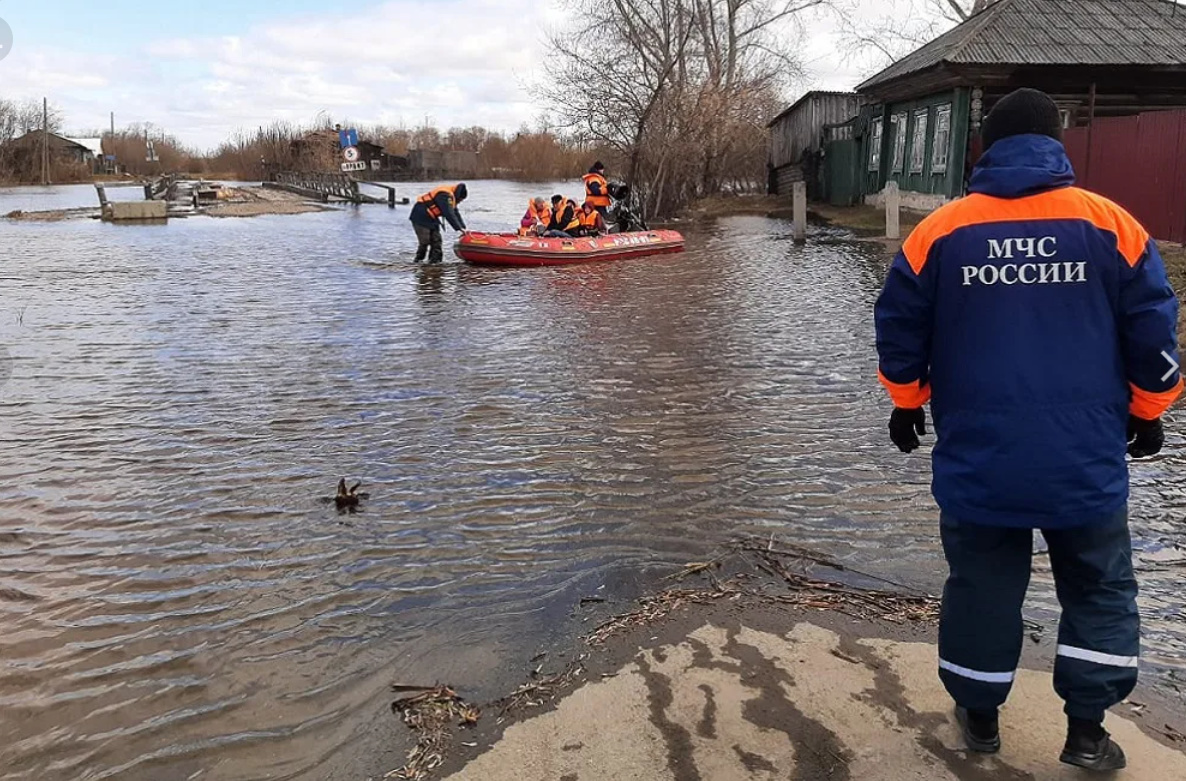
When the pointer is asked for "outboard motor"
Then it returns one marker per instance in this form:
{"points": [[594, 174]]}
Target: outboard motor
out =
{"points": [[624, 217]]}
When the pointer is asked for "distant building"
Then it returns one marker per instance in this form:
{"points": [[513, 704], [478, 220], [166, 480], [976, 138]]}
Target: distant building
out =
{"points": [[431, 164], [87, 152], [920, 122], [321, 150], [797, 137]]}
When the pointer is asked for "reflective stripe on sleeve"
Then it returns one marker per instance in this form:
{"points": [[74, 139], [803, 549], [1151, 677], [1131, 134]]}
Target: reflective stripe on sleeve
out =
{"points": [[1095, 657], [976, 675]]}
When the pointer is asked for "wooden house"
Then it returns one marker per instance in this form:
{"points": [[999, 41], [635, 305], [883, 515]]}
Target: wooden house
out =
{"points": [[920, 122], [321, 150], [61, 149], [797, 139]]}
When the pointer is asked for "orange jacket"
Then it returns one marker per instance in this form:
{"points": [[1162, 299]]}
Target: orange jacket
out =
{"points": [[566, 216], [534, 216], [429, 200], [432, 206], [591, 221], [597, 190]]}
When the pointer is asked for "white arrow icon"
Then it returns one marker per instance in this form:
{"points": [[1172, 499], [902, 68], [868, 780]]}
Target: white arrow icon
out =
{"points": [[1174, 367]]}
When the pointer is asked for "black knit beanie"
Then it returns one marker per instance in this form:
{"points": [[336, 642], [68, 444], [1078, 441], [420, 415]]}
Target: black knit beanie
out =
{"points": [[1024, 111]]}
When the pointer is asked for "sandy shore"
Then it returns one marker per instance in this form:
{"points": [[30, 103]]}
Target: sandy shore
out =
{"points": [[259, 201], [761, 694], [770, 673], [232, 202], [53, 215]]}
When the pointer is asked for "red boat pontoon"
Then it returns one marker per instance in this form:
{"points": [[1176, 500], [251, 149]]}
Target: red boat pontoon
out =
{"points": [[508, 249]]}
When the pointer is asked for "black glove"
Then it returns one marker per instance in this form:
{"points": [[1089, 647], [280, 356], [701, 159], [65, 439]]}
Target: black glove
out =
{"points": [[906, 426], [1145, 437]]}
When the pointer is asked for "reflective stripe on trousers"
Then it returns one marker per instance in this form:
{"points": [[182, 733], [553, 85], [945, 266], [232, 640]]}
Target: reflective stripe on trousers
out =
{"points": [[981, 628]]}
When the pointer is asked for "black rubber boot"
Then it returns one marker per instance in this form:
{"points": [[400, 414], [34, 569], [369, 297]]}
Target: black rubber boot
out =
{"points": [[981, 730], [1090, 747]]}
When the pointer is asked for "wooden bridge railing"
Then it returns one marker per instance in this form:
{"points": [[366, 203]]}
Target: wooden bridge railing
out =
{"points": [[328, 185]]}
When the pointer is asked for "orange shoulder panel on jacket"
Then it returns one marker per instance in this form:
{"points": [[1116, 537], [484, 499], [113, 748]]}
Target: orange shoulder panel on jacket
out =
{"points": [[938, 224], [1131, 237], [1068, 203]]}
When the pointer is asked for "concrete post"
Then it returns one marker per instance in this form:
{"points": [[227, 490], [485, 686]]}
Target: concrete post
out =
{"points": [[799, 209], [893, 211]]}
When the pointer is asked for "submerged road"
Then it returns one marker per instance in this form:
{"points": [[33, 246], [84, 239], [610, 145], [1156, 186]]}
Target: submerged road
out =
{"points": [[176, 599]]}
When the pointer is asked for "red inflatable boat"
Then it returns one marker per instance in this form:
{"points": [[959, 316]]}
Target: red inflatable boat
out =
{"points": [[509, 249]]}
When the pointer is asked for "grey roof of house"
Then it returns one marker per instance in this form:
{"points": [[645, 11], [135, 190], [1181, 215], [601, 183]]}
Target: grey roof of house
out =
{"points": [[1056, 32]]}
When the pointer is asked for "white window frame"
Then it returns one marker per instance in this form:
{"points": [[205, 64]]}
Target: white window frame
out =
{"points": [[898, 122], [875, 144], [941, 152], [918, 140]]}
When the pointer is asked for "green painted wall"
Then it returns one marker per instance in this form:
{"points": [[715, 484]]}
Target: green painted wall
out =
{"points": [[948, 183]]}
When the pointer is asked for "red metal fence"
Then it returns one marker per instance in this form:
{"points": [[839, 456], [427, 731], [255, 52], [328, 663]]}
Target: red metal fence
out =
{"points": [[1139, 162]]}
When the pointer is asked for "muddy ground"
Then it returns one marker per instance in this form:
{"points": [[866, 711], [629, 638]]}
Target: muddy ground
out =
{"points": [[767, 669], [232, 202], [259, 201]]}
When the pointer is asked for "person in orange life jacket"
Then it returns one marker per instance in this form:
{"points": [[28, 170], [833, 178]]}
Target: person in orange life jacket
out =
{"points": [[535, 220], [592, 223], [426, 219], [1038, 321], [597, 190], [565, 219]]}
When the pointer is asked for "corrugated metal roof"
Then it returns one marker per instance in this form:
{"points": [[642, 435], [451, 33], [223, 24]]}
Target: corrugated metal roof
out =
{"points": [[1056, 32]]}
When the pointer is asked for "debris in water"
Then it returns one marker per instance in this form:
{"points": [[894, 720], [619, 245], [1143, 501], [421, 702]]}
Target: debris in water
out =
{"points": [[431, 712], [658, 607], [430, 715], [696, 568], [542, 691], [348, 499], [1172, 734], [855, 602]]}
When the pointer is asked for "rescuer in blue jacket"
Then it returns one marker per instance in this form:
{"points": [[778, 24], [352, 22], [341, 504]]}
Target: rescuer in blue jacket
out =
{"points": [[1037, 320], [426, 219]]}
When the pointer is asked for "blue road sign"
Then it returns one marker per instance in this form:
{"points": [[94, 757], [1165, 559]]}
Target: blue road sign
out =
{"points": [[348, 137]]}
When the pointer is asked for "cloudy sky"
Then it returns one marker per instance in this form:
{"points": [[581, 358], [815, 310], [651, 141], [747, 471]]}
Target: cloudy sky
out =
{"points": [[203, 69]]}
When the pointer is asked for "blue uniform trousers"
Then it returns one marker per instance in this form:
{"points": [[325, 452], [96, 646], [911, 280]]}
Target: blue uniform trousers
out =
{"points": [[981, 628]]}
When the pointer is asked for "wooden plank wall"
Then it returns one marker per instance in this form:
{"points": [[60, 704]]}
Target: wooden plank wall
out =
{"points": [[803, 128]]}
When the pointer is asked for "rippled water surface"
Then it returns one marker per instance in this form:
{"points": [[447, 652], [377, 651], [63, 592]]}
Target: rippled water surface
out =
{"points": [[175, 600]]}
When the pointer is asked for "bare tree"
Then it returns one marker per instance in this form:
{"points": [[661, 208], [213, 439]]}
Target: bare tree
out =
{"points": [[899, 26], [17, 119], [961, 10], [675, 88]]}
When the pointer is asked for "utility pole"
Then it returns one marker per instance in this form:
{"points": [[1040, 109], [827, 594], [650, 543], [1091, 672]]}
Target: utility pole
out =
{"points": [[45, 141], [113, 124]]}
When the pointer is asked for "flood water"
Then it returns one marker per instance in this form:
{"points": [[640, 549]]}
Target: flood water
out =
{"points": [[175, 600]]}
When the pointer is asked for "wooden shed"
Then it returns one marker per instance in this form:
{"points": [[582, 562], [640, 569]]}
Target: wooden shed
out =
{"points": [[797, 138], [1096, 58]]}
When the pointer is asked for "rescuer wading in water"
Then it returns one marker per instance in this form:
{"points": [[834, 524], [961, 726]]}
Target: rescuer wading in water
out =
{"points": [[1038, 321], [426, 219]]}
